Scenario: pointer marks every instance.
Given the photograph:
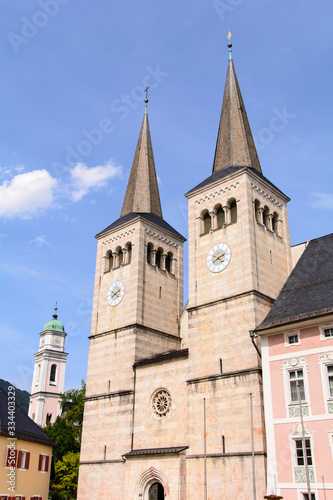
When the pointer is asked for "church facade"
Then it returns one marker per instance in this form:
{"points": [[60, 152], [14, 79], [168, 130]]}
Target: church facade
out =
{"points": [[174, 401]]}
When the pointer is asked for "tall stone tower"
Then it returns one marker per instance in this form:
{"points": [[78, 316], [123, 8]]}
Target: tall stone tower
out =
{"points": [[49, 373], [157, 374], [138, 299], [239, 259]]}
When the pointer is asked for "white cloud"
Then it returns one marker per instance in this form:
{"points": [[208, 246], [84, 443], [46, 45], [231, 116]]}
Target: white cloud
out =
{"points": [[321, 200], [85, 178], [39, 241], [27, 194]]}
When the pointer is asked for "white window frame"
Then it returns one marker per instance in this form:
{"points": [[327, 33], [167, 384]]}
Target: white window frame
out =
{"points": [[292, 334], [325, 360], [303, 493], [294, 364], [299, 438], [25, 452], [296, 402], [322, 331]]}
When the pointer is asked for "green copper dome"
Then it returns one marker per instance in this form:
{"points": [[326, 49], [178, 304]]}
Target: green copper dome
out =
{"points": [[54, 324]]}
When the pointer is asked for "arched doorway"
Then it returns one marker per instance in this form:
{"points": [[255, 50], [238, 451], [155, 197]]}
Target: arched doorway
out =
{"points": [[156, 492]]}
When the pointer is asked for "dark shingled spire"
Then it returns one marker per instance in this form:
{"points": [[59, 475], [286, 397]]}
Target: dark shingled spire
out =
{"points": [[142, 193], [235, 145]]}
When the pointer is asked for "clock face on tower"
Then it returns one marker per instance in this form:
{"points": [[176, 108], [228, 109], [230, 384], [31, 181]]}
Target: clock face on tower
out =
{"points": [[218, 257], [56, 341], [115, 293]]}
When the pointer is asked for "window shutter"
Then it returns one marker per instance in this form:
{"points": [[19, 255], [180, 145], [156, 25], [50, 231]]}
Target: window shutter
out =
{"points": [[40, 463], [19, 459], [10, 460], [47, 464], [27, 460]]}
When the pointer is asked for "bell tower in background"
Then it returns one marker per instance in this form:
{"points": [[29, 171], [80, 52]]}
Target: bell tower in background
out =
{"points": [[49, 373]]}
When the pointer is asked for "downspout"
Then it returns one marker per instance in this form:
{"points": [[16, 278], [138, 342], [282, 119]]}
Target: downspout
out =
{"points": [[252, 336], [133, 409]]}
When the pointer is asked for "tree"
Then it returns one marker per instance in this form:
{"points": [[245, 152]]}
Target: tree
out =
{"points": [[66, 477], [66, 433]]}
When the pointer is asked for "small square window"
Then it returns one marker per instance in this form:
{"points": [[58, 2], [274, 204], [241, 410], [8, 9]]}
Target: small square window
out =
{"points": [[306, 496], [292, 338], [328, 332]]}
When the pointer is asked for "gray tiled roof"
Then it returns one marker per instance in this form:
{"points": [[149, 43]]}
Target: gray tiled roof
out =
{"points": [[150, 217], [232, 169], [308, 292], [156, 451], [25, 427]]}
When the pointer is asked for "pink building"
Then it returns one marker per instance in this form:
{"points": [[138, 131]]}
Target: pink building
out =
{"points": [[297, 359], [49, 373]]}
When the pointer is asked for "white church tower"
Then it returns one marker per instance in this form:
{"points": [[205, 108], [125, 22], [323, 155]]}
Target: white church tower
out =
{"points": [[49, 373]]}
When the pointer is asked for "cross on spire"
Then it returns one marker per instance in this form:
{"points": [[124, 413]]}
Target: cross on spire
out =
{"points": [[146, 100]]}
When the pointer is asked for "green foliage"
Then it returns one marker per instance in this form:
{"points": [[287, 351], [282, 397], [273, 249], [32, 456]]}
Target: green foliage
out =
{"points": [[65, 437], [66, 433], [66, 477]]}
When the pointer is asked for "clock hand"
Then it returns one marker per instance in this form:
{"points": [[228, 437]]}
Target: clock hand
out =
{"points": [[219, 257], [115, 293]]}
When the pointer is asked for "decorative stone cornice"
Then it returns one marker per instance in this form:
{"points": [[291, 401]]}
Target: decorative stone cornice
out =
{"points": [[118, 236], [163, 239], [266, 195], [217, 192]]}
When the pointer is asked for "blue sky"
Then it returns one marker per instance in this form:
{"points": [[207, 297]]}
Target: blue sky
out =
{"points": [[72, 107]]}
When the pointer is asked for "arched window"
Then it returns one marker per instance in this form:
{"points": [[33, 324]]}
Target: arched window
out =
{"points": [[276, 222], [207, 222], [266, 217], [159, 254], [120, 257], [257, 211], [108, 261], [129, 252], [168, 262], [220, 217], [156, 492], [53, 372], [233, 212], [149, 252]]}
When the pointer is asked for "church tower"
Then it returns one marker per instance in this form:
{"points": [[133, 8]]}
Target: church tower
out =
{"points": [[49, 373], [138, 299], [239, 259]]}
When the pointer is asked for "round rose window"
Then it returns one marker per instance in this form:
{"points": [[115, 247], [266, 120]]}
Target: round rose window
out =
{"points": [[161, 403]]}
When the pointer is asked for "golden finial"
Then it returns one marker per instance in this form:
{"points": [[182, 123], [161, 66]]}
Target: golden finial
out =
{"points": [[229, 34]]}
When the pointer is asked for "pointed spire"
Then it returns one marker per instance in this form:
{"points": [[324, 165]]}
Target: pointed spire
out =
{"points": [[142, 194], [235, 144]]}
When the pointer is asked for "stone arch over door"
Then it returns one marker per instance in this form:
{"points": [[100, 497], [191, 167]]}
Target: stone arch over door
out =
{"points": [[147, 480]]}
